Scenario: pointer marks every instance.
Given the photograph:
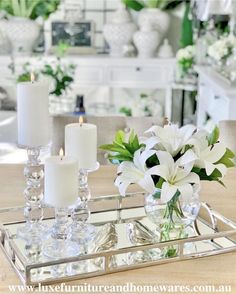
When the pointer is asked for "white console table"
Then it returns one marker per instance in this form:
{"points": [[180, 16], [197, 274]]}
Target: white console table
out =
{"points": [[216, 99], [102, 70]]}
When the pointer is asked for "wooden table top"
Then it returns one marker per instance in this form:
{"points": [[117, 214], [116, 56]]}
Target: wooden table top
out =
{"points": [[213, 270]]}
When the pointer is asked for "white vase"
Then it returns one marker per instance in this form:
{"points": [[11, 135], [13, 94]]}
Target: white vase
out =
{"points": [[22, 34], [159, 19], [119, 32], [165, 50], [146, 41]]}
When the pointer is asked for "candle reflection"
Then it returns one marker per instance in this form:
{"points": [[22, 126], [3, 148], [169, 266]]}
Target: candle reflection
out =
{"points": [[81, 120], [32, 77], [61, 153]]}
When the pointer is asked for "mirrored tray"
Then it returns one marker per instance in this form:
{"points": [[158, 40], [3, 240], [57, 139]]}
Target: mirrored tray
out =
{"points": [[126, 239]]}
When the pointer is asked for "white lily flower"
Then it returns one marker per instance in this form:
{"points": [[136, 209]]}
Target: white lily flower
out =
{"points": [[177, 175], [135, 172], [169, 138], [208, 155]]}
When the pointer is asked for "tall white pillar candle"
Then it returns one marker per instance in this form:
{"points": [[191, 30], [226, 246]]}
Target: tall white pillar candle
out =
{"points": [[81, 142], [33, 114], [61, 181]]}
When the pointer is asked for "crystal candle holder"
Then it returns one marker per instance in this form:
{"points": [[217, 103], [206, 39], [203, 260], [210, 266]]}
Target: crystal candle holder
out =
{"points": [[58, 245], [33, 210], [80, 230]]}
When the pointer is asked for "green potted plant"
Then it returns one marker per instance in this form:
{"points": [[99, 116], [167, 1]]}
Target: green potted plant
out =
{"points": [[20, 23]]}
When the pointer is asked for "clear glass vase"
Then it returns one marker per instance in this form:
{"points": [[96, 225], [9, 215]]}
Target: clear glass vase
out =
{"points": [[173, 219]]}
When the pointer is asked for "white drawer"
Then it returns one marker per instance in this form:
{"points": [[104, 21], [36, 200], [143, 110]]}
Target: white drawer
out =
{"points": [[206, 94], [218, 108], [89, 74], [148, 75]]}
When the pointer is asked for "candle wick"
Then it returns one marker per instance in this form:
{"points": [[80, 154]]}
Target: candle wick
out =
{"points": [[80, 124]]}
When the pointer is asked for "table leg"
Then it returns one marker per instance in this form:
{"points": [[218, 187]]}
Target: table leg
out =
{"points": [[182, 107]]}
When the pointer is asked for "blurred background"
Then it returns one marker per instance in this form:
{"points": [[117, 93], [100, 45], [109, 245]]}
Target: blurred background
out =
{"points": [[119, 58]]}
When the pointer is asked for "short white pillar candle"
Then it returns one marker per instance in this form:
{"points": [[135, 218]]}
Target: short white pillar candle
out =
{"points": [[61, 181], [81, 142]]}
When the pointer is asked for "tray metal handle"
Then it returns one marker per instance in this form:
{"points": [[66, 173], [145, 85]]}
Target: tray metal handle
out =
{"points": [[213, 219]]}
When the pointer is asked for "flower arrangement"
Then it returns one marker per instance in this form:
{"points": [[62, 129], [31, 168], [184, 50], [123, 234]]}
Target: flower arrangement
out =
{"points": [[171, 163], [186, 59], [222, 49]]}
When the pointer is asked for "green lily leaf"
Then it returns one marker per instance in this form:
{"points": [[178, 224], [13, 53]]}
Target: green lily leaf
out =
{"points": [[227, 158], [122, 150], [119, 158], [120, 137], [214, 136], [118, 149]]}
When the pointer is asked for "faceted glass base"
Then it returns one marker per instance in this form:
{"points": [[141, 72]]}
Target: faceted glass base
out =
{"points": [[59, 248], [81, 233], [32, 232]]}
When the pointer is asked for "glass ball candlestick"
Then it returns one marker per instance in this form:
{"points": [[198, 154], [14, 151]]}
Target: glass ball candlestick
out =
{"points": [[33, 211], [33, 135], [81, 142], [80, 230], [61, 192]]}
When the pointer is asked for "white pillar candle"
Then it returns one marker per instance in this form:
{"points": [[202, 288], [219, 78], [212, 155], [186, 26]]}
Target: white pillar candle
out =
{"points": [[33, 114], [81, 142], [61, 181]]}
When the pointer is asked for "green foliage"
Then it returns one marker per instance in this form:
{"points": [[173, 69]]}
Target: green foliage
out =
{"points": [[62, 79], [137, 5], [61, 49], [214, 136], [215, 176], [122, 150], [227, 158], [20, 8], [45, 8], [187, 29], [25, 76], [186, 64], [143, 96], [29, 8], [134, 4], [172, 4], [155, 3], [152, 161], [126, 110]]}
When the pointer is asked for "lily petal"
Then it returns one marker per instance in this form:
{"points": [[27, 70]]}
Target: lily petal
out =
{"points": [[167, 192], [213, 154], [209, 167], [159, 170], [186, 191], [191, 178], [153, 130], [147, 184], [165, 158], [189, 156], [151, 142]]}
